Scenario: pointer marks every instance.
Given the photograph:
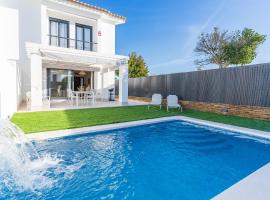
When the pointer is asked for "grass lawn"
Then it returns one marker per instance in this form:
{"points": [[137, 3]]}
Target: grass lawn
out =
{"points": [[56, 120]]}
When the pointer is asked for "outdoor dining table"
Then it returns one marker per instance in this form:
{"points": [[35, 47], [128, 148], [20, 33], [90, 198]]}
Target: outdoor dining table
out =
{"points": [[79, 94]]}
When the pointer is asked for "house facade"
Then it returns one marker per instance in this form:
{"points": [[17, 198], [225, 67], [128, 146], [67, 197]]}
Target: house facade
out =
{"points": [[48, 47]]}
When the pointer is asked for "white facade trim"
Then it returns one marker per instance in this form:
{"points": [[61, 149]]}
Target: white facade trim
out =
{"points": [[70, 55], [79, 8]]}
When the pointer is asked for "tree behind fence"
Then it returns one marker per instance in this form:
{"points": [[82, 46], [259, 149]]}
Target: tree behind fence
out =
{"points": [[247, 85]]}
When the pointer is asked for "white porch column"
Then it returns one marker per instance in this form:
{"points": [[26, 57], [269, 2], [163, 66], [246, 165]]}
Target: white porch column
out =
{"points": [[123, 81], [102, 85], [36, 81]]}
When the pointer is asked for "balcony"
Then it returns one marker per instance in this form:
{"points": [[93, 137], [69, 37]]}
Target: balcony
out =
{"points": [[65, 42]]}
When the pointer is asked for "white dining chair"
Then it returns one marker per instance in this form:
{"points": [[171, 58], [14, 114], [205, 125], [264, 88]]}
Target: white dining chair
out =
{"points": [[46, 98], [71, 96], [28, 100], [89, 97]]}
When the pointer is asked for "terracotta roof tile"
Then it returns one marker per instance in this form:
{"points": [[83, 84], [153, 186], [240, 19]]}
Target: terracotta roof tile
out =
{"points": [[98, 9]]}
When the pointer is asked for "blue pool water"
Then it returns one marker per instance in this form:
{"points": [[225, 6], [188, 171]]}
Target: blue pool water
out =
{"points": [[172, 160]]}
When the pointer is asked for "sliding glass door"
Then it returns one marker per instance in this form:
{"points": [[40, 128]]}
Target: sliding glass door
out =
{"points": [[59, 33], [59, 82], [84, 37]]}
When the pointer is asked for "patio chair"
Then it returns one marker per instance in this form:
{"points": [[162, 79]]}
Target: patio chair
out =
{"points": [[172, 102], [156, 101], [81, 88], [88, 88], [28, 100], [99, 96], [71, 96], [94, 95], [46, 98], [89, 96], [59, 91]]}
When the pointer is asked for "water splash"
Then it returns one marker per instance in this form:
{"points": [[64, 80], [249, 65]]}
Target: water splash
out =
{"points": [[21, 167]]}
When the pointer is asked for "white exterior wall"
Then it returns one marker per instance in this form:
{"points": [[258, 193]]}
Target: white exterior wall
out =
{"points": [[103, 81], [28, 21], [9, 87], [105, 42], [107, 39], [10, 81], [22, 23], [9, 34], [44, 25], [29, 31], [72, 25]]}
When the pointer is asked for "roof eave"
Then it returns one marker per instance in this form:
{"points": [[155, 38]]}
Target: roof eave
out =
{"points": [[120, 19]]}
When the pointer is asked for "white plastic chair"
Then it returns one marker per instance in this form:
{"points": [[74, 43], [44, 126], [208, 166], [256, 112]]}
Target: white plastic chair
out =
{"points": [[59, 91], [156, 101], [28, 100], [99, 95], [71, 96], [172, 102], [89, 96], [46, 97]]}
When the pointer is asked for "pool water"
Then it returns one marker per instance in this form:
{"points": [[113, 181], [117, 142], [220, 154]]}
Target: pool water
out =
{"points": [[170, 160]]}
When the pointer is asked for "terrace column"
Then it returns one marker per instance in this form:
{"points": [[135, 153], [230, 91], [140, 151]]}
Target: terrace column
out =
{"points": [[102, 85], [123, 81], [36, 80]]}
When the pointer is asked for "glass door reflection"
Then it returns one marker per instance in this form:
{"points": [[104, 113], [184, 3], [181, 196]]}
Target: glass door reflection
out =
{"points": [[60, 82]]}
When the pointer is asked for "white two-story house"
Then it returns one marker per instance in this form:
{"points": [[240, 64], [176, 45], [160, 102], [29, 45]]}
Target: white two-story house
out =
{"points": [[48, 47]]}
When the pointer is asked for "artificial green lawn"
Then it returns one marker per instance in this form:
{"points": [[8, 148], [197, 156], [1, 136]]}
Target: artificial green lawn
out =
{"points": [[57, 120]]}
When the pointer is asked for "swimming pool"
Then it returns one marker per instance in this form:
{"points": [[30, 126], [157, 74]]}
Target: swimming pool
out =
{"points": [[169, 160]]}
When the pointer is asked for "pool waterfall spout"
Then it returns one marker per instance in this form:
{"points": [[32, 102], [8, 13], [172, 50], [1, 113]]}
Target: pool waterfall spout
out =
{"points": [[21, 166]]}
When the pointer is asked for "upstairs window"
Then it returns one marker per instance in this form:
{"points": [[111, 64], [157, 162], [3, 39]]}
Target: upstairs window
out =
{"points": [[59, 33], [84, 37]]}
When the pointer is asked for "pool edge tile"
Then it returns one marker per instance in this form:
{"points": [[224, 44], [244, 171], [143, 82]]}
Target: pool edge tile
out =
{"points": [[84, 130], [255, 186]]}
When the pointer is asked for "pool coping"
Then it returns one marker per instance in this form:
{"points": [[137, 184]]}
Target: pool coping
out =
{"points": [[79, 131], [254, 186]]}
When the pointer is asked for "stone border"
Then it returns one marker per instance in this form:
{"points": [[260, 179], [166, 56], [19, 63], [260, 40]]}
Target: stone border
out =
{"points": [[252, 112], [255, 186]]}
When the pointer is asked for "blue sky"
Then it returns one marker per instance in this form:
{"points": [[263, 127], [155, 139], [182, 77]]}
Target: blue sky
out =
{"points": [[165, 32]]}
